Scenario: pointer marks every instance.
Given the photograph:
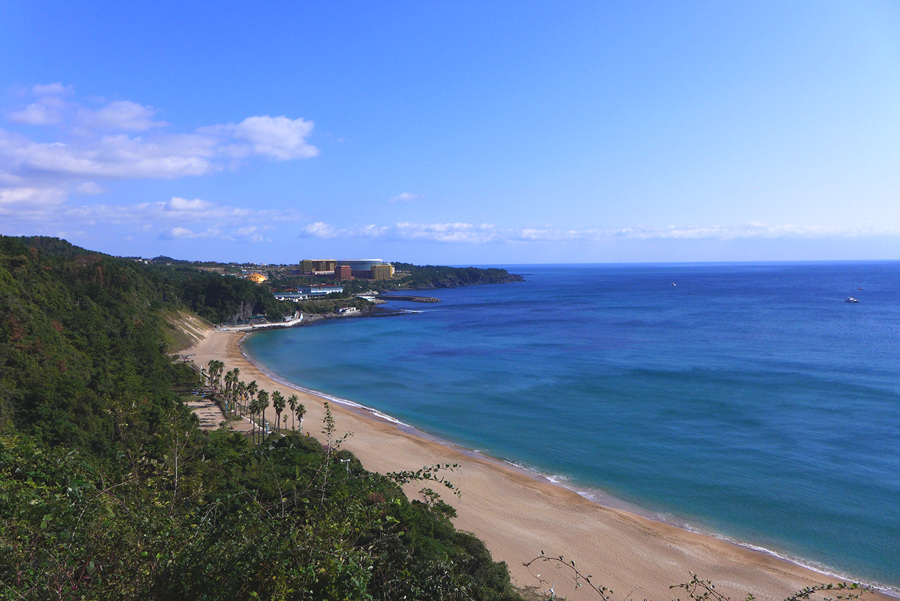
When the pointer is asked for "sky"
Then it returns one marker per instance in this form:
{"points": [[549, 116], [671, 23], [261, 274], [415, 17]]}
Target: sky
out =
{"points": [[454, 132]]}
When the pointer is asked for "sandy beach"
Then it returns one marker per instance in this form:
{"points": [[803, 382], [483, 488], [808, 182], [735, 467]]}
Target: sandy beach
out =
{"points": [[519, 515]]}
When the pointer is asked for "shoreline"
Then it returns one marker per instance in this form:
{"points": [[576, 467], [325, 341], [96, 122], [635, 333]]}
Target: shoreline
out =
{"points": [[593, 495], [520, 512]]}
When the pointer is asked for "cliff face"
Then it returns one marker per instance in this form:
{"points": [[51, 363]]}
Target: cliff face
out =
{"points": [[184, 329]]}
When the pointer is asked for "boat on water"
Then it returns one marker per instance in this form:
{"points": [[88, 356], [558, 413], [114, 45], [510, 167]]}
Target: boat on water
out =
{"points": [[850, 299]]}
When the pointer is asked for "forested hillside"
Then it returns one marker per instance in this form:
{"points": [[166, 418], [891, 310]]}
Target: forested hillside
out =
{"points": [[425, 277], [109, 491]]}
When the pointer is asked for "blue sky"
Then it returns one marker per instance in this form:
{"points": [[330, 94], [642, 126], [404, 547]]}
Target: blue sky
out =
{"points": [[464, 132]]}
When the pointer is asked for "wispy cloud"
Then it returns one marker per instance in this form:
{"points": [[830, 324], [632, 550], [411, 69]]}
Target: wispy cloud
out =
{"points": [[448, 232], [242, 234], [406, 197], [177, 218], [325, 231], [468, 233], [119, 115], [182, 233]]}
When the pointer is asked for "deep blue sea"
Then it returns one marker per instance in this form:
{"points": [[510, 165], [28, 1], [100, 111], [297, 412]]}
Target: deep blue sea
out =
{"points": [[743, 400]]}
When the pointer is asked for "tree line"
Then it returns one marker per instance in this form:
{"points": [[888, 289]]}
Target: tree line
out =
{"points": [[240, 398]]}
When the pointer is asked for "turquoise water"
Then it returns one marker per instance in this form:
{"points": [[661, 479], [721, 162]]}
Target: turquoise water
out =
{"points": [[747, 400]]}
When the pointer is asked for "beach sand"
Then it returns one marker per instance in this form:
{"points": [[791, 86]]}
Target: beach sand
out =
{"points": [[518, 515]]}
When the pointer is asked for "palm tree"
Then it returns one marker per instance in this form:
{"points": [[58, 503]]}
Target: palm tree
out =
{"points": [[251, 409], [262, 402], [214, 373], [252, 389], [239, 394], [292, 402], [301, 411], [230, 380], [278, 403]]}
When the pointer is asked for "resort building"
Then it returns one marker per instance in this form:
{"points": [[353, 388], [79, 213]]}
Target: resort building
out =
{"points": [[365, 268], [317, 266], [305, 292], [382, 272], [343, 272], [320, 289]]}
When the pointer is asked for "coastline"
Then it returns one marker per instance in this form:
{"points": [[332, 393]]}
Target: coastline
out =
{"points": [[519, 513]]}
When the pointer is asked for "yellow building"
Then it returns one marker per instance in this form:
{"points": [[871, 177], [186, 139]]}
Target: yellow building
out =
{"points": [[257, 278], [382, 272]]}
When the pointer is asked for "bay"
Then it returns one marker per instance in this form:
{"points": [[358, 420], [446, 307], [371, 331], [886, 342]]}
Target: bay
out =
{"points": [[748, 401]]}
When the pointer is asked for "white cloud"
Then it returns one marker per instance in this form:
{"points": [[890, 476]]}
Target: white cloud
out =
{"points": [[372, 231], [89, 188], [108, 157], [119, 115], [246, 231], [180, 233], [49, 110], [52, 89], [323, 230], [319, 230], [183, 204], [249, 234], [438, 232], [467, 233], [277, 137], [197, 210], [124, 140], [30, 199], [120, 156], [27, 209], [449, 232], [406, 197]]}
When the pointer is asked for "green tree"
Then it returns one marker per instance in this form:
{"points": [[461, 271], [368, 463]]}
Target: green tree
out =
{"points": [[240, 395], [278, 402], [214, 373], [292, 403], [230, 381], [301, 411], [252, 390], [262, 403]]}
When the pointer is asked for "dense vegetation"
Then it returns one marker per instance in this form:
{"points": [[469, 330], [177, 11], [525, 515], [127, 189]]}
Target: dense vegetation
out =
{"points": [[220, 299], [408, 277], [109, 491], [430, 277], [332, 303], [439, 276]]}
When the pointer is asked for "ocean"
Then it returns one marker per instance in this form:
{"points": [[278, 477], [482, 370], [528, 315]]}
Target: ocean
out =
{"points": [[747, 401]]}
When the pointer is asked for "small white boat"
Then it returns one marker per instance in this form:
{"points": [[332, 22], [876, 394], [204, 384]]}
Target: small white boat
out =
{"points": [[850, 299]]}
